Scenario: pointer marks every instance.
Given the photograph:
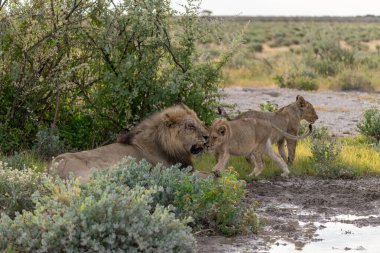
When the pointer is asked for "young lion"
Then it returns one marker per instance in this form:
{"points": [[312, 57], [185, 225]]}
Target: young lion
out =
{"points": [[287, 118], [246, 137]]}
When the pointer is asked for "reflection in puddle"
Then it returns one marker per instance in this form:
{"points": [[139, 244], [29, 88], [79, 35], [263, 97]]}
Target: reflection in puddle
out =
{"points": [[336, 237], [348, 217]]}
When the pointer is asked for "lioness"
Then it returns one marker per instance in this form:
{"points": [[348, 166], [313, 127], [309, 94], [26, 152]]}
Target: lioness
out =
{"points": [[288, 119], [169, 137], [246, 137]]}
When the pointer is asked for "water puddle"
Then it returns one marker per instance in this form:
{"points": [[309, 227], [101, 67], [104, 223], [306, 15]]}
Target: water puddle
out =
{"points": [[348, 217], [336, 237]]}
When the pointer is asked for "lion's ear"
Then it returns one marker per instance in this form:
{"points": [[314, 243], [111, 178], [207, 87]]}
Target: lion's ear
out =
{"points": [[222, 130], [300, 101]]}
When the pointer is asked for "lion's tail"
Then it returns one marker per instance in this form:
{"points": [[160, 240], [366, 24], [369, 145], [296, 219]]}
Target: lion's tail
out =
{"points": [[222, 112], [293, 137]]}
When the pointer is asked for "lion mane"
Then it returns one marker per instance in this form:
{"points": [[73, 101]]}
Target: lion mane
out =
{"points": [[168, 137]]}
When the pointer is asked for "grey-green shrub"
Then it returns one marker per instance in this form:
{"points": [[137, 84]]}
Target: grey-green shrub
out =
{"points": [[370, 124], [24, 160], [349, 82], [326, 152], [111, 219], [48, 144], [215, 204], [296, 80], [269, 107], [17, 187]]}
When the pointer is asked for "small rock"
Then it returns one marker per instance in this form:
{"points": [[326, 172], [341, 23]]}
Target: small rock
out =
{"points": [[360, 248]]}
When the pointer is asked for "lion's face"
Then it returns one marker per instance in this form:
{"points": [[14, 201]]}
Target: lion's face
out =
{"points": [[187, 131], [218, 135], [307, 109], [194, 135]]}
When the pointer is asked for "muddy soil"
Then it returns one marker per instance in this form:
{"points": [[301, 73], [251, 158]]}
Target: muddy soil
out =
{"points": [[296, 210], [300, 211]]}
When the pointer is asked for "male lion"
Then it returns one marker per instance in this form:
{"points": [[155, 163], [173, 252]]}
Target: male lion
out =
{"points": [[247, 137], [168, 137], [288, 119]]}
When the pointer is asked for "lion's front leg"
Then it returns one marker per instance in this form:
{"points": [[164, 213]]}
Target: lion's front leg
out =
{"points": [[221, 163], [292, 145]]}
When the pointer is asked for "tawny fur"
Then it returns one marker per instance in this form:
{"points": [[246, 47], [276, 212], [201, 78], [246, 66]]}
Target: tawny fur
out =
{"points": [[246, 137], [288, 119], [167, 137]]}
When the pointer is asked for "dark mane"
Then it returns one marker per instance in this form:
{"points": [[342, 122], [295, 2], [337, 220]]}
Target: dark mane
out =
{"points": [[126, 138]]}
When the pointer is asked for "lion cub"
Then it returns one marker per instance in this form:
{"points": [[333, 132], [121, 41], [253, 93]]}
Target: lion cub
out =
{"points": [[246, 137]]}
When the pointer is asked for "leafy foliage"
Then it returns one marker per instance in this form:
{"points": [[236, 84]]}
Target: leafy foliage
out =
{"points": [[326, 153], [269, 107], [48, 144], [91, 69], [296, 80], [355, 82], [370, 124]]}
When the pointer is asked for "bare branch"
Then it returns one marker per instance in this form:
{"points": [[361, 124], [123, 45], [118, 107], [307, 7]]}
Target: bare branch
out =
{"points": [[2, 4]]}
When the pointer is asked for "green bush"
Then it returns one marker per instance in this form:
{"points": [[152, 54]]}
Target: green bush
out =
{"points": [[214, 204], [255, 46], [349, 82], [113, 219], [93, 70], [324, 54], [326, 153], [48, 144], [370, 124], [11, 139], [335, 171], [269, 107], [296, 80], [17, 187]]}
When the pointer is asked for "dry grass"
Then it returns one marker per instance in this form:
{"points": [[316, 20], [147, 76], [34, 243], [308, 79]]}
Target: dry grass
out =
{"points": [[373, 45]]}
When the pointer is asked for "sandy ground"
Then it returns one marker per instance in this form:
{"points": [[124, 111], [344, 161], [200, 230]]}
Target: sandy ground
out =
{"points": [[339, 111], [309, 214]]}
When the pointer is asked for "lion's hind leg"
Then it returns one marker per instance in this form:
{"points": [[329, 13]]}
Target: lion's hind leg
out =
{"points": [[256, 161], [281, 149], [278, 160]]}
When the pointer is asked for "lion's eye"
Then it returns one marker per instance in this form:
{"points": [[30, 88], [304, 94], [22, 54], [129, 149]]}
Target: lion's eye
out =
{"points": [[191, 127]]}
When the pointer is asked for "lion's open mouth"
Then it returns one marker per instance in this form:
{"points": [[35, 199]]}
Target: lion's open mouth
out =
{"points": [[196, 149]]}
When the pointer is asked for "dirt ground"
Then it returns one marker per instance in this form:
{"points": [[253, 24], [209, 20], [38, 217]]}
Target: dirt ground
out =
{"points": [[339, 111], [291, 209], [295, 212]]}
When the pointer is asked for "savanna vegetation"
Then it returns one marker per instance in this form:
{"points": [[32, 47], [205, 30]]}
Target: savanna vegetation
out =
{"points": [[75, 74], [302, 53]]}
